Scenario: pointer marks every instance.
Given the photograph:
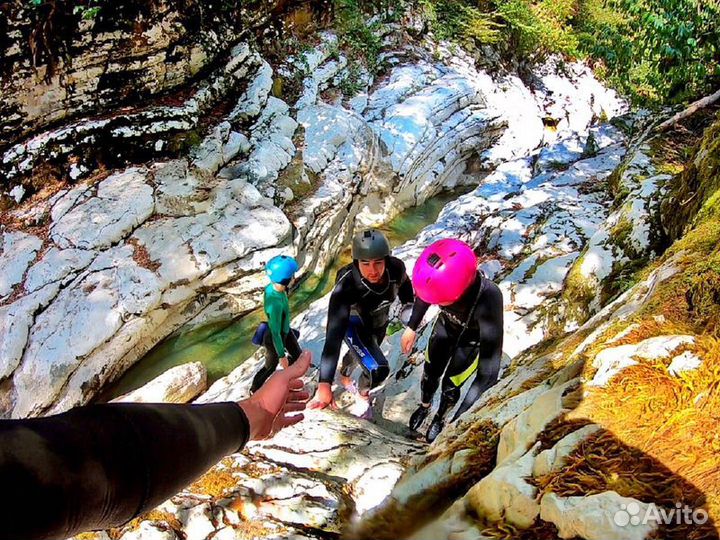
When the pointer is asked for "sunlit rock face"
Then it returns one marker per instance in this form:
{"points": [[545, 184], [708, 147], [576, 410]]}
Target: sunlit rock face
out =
{"points": [[66, 62], [147, 249], [97, 273]]}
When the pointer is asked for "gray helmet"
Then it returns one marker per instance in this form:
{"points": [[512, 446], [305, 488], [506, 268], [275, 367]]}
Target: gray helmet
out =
{"points": [[370, 244]]}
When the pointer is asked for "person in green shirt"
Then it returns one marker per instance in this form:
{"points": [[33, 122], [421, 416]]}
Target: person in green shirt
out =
{"points": [[279, 340]]}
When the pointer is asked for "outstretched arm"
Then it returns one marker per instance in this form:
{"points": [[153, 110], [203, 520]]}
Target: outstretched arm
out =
{"points": [[407, 341], [406, 294], [337, 324], [99, 466], [419, 310]]}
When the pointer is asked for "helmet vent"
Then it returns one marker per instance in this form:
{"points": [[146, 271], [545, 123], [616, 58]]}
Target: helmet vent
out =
{"points": [[367, 234], [435, 261]]}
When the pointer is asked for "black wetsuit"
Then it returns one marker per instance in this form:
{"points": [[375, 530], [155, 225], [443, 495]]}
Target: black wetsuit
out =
{"points": [[99, 466], [363, 308], [467, 338]]}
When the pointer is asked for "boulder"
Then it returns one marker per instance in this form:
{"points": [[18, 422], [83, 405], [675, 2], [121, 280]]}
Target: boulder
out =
{"points": [[177, 385]]}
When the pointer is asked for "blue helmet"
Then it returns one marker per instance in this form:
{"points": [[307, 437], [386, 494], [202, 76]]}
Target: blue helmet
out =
{"points": [[281, 269]]}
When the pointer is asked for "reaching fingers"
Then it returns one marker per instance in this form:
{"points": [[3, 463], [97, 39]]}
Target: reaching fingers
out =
{"points": [[317, 404], [293, 407], [298, 397], [296, 384], [300, 366], [285, 421]]}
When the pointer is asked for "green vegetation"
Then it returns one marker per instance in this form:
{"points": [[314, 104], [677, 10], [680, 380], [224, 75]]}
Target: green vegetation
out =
{"points": [[655, 51], [461, 21], [359, 39]]}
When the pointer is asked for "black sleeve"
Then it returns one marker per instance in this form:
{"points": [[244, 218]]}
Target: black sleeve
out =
{"points": [[406, 293], [99, 466], [497, 318], [338, 315], [420, 307]]}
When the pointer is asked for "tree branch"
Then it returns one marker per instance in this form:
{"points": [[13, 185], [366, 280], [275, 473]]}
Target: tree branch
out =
{"points": [[699, 104]]}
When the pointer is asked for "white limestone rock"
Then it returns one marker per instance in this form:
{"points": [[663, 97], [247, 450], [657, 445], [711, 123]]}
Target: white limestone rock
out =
{"points": [[237, 143], [505, 495], [197, 522], [55, 265], [17, 251], [17, 193], [553, 458], [336, 444], [208, 156], [149, 531], [16, 320], [365, 489], [609, 362], [686, 361], [299, 500], [180, 190], [179, 384], [454, 524], [326, 129], [123, 201], [519, 433], [190, 247], [271, 141], [84, 316], [253, 100], [596, 517]]}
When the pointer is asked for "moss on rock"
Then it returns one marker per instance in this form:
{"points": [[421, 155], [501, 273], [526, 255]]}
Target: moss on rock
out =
{"points": [[691, 190]]}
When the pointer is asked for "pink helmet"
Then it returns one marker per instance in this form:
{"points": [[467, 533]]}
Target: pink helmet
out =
{"points": [[444, 271]]}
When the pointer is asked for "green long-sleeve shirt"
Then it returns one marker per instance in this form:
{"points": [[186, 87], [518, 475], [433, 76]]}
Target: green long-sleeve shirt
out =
{"points": [[277, 309]]}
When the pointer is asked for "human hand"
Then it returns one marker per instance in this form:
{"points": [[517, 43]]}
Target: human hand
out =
{"points": [[268, 409], [323, 397], [284, 362], [407, 341]]}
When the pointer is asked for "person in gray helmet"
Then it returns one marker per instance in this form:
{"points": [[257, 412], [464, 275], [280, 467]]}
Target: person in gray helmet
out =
{"points": [[358, 313]]}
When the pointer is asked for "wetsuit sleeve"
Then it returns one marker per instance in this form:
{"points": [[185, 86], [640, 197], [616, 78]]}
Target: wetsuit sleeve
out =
{"points": [[420, 307], [337, 324], [99, 466], [406, 293], [275, 319]]}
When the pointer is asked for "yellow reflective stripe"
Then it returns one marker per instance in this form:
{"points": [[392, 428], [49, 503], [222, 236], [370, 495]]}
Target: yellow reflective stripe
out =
{"points": [[460, 378], [427, 347]]}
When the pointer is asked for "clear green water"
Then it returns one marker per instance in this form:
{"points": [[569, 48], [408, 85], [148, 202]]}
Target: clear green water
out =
{"points": [[222, 346]]}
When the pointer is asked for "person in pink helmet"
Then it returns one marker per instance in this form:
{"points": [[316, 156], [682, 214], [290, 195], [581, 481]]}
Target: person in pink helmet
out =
{"points": [[467, 335]]}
